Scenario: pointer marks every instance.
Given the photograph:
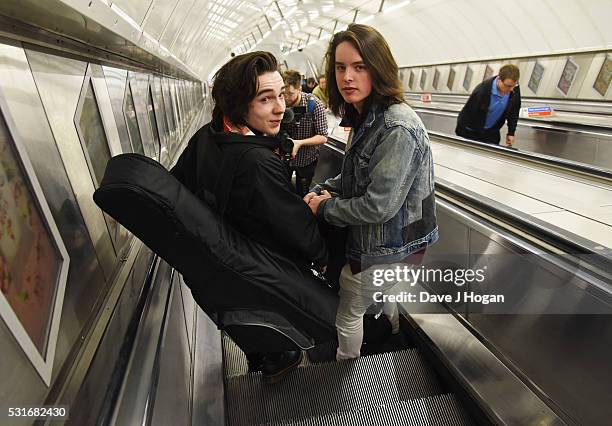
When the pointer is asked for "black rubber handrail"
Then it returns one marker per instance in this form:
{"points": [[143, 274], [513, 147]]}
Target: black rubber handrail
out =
{"points": [[588, 170], [572, 106], [550, 234], [565, 125]]}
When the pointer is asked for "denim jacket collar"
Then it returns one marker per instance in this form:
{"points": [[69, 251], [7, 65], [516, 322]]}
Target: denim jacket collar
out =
{"points": [[357, 133], [368, 122]]}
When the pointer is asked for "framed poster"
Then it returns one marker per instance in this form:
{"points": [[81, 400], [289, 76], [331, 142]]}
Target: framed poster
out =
{"points": [[567, 76], [488, 73], [411, 80], [436, 78], [33, 259], [536, 77], [92, 135], [451, 79], [467, 80], [423, 79], [604, 77]]}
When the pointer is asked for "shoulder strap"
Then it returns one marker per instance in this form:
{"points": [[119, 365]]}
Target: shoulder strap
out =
{"points": [[311, 105]]}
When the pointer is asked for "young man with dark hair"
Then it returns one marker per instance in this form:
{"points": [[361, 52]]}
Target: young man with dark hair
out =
{"points": [[231, 164], [492, 103], [308, 131]]}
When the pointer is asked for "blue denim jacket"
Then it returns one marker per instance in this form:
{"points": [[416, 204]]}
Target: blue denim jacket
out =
{"points": [[385, 192]]}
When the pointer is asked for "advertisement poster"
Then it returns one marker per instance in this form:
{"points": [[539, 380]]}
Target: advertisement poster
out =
{"points": [[451, 79], [536, 77], [567, 76], [488, 73], [29, 262], [436, 79], [602, 82], [467, 80]]}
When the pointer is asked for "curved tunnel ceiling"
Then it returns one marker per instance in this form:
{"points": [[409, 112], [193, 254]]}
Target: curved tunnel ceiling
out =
{"points": [[202, 33], [199, 35]]}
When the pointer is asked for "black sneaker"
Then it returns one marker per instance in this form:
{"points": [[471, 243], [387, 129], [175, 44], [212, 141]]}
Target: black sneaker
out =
{"points": [[277, 365]]}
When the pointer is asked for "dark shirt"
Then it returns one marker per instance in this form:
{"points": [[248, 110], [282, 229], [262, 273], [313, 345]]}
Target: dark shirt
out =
{"points": [[307, 89], [248, 183], [474, 112]]}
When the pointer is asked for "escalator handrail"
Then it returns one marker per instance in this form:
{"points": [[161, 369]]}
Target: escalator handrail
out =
{"points": [[588, 170]]}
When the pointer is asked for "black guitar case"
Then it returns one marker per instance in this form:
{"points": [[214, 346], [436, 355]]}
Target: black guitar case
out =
{"points": [[238, 282]]}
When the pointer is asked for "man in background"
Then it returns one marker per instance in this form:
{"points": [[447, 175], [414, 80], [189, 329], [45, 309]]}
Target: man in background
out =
{"points": [[310, 85], [308, 131], [492, 103]]}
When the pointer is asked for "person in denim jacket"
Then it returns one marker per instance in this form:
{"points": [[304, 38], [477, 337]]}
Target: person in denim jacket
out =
{"points": [[385, 191]]}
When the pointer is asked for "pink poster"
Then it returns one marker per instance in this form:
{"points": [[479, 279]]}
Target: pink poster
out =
{"points": [[29, 262]]}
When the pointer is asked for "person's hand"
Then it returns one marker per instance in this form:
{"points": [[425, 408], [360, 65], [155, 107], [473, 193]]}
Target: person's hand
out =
{"points": [[315, 201], [296, 147], [309, 196], [509, 140]]}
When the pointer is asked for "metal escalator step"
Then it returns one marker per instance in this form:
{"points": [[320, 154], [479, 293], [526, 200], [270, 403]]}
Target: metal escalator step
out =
{"points": [[439, 410], [414, 377], [314, 390], [234, 361]]}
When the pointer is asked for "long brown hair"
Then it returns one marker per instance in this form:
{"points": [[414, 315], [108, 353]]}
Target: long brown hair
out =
{"points": [[373, 48]]}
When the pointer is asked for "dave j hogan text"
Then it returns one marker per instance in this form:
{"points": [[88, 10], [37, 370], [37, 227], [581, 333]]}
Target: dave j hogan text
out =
{"points": [[426, 297]]}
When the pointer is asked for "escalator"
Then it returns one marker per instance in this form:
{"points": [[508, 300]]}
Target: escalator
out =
{"points": [[545, 360], [393, 388], [579, 132]]}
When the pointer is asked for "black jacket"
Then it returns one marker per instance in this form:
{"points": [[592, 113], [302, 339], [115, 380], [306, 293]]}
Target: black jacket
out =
{"points": [[260, 297], [474, 112], [242, 178]]}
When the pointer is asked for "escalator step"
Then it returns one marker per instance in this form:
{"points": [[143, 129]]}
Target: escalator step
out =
{"points": [[315, 390], [439, 410], [234, 361]]}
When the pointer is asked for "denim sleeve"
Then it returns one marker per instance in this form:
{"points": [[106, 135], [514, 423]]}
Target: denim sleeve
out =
{"points": [[333, 185], [392, 170]]}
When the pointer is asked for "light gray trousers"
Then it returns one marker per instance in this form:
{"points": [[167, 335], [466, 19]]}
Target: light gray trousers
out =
{"points": [[356, 295]]}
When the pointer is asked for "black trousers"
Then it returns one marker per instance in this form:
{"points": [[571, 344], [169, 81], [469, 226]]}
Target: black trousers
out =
{"points": [[303, 177], [491, 136]]}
